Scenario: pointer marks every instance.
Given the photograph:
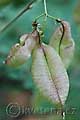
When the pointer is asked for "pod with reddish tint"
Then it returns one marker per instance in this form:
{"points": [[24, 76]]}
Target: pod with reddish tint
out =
{"points": [[21, 52], [49, 74], [67, 46]]}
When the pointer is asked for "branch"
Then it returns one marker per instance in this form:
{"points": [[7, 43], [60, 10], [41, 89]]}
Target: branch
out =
{"points": [[25, 9]]}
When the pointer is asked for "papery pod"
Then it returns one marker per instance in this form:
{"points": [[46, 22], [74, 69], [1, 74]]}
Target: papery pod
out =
{"points": [[21, 52], [49, 74], [67, 46]]}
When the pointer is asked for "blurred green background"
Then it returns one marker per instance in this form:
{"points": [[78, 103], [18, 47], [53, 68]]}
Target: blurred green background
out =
{"points": [[16, 85]]}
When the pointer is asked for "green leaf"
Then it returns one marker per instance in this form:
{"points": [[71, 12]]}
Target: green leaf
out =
{"points": [[49, 74], [21, 52], [67, 43]]}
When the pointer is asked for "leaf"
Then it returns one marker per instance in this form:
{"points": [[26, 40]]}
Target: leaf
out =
{"points": [[21, 52], [67, 45], [49, 74]]}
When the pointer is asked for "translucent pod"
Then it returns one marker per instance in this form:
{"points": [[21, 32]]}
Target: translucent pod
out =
{"points": [[49, 74], [21, 52], [67, 45]]}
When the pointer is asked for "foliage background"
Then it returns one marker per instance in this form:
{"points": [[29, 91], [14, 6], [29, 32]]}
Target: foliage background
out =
{"points": [[16, 84]]}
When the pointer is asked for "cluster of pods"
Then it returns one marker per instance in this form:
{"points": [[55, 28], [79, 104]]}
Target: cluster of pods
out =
{"points": [[49, 62]]}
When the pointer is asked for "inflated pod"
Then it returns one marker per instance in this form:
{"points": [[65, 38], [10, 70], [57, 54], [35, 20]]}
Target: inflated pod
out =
{"points": [[21, 52], [49, 74], [67, 46]]}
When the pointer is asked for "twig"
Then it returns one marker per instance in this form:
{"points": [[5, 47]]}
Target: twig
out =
{"points": [[25, 9]]}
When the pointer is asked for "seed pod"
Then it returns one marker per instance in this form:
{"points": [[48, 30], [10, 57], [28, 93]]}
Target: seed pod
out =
{"points": [[49, 74], [20, 53], [67, 43]]}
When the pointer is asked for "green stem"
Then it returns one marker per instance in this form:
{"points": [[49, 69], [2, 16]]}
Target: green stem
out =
{"points": [[45, 8], [54, 18], [39, 16]]}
